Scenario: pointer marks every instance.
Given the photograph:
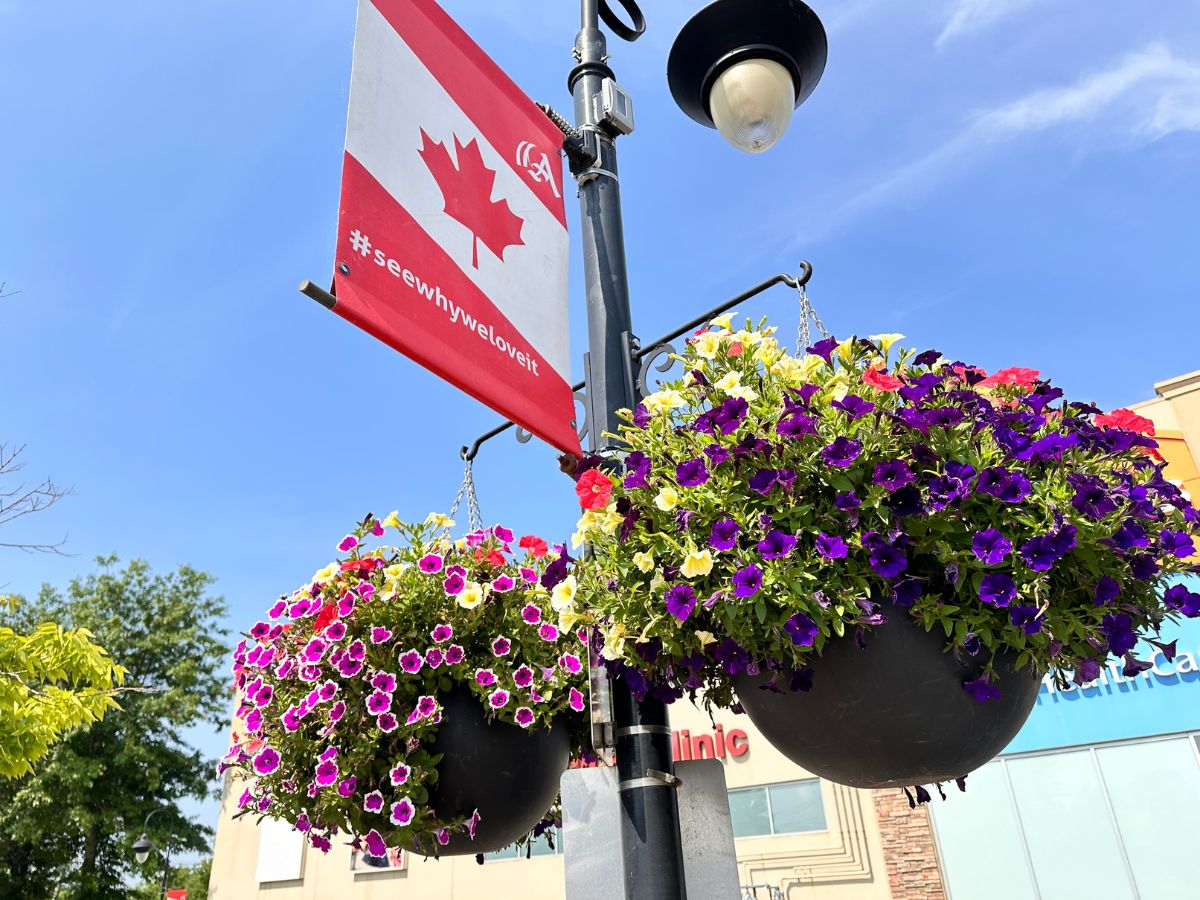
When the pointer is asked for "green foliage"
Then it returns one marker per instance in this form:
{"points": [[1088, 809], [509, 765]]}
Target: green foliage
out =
{"points": [[902, 471], [52, 681], [193, 879], [71, 823]]}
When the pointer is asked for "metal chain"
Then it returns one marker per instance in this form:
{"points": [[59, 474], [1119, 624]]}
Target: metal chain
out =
{"points": [[803, 336], [467, 489]]}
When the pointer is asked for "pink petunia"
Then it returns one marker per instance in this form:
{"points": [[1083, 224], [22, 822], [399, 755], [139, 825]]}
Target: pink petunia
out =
{"points": [[399, 774], [380, 635], [373, 802], [348, 543], [501, 646], [442, 633], [571, 663], [524, 716], [548, 632], [454, 655], [503, 584], [387, 723], [498, 698], [531, 614], [576, 700], [431, 563], [402, 812], [485, 677], [411, 662]]}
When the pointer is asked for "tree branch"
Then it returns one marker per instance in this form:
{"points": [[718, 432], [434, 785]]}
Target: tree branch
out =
{"points": [[21, 500]]}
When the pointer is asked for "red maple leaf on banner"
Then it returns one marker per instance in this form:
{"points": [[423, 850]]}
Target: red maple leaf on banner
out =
{"points": [[467, 190]]}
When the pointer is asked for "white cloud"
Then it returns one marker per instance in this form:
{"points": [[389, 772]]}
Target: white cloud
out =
{"points": [[1145, 96], [975, 15]]}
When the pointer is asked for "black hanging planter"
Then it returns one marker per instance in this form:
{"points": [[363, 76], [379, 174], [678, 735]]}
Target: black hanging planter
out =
{"points": [[510, 774], [894, 713]]}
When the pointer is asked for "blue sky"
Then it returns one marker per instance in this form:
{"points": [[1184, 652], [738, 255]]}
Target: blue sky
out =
{"points": [[1011, 181]]}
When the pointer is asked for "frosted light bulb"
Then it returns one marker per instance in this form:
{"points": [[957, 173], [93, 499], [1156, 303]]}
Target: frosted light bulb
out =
{"points": [[751, 103]]}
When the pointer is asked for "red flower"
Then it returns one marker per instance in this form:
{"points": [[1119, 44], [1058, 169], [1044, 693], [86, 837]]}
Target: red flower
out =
{"points": [[882, 381], [735, 349], [494, 557], [1014, 375], [535, 545], [325, 618], [1128, 419], [362, 565], [594, 489]]}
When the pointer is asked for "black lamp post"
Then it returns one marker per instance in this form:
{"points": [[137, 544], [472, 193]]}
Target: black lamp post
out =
{"points": [[143, 847], [741, 66]]}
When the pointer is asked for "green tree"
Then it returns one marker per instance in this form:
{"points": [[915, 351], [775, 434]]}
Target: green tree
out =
{"points": [[52, 681], [193, 879], [69, 826]]}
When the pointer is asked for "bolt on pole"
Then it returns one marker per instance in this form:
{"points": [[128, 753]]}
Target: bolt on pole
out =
{"points": [[652, 848]]}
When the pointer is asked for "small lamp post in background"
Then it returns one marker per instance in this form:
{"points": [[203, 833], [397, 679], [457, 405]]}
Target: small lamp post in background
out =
{"points": [[143, 847], [740, 66]]}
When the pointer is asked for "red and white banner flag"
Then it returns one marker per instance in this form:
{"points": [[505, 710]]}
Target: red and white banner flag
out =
{"points": [[452, 227]]}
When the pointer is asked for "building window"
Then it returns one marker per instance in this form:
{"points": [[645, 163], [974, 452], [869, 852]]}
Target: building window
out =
{"points": [[788, 808], [540, 847]]}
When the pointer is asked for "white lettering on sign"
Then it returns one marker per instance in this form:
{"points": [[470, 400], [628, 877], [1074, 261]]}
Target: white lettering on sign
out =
{"points": [[1168, 673]]}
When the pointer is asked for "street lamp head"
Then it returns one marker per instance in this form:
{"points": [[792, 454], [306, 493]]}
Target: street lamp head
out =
{"points": [[742, 66], [141, 848]]}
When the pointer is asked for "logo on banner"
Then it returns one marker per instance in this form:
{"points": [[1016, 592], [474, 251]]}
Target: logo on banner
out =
{"points": [[466, 187], [539, 171]]}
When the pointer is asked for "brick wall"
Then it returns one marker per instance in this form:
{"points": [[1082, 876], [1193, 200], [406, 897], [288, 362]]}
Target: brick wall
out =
{"points": [[908, 848]]}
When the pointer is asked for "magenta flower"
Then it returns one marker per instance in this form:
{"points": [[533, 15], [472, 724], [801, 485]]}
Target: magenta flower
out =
{"points": [[443, 836], [310, 673], [365, 590], [260, 630], [503, 584], [411, 662], [402, 812], [337, 711], [346, 787], [548, 633], [434, 657], [379, 702], [327, 773], [373, 802], [277, 610], [254, 721], [454, 583], [348, 543], [314, 650], [485, 677], [441, 634], [473, 823], [530, 575], [346, 604], [336, 631], [523, 677], [531, 614], [375, 843], [576, 700], [263, 696], [454, 655], [430, 564], [327, 691], [498, 698], [501, 646], [383, 681], [357, 651], [571, 663], [387, 723], [426, 706], [399, 774], [267, 761], [290, 719], [380, 635], [348, 667], [504, 535], [524, 716]]}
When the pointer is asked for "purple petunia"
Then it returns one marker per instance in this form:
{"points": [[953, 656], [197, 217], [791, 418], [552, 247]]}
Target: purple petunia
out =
{"points": [[524, 716], [887, 560], [1118, 631], [763, 480], [906, 592], [853, 406], [991, 546], [747, 581], [401, 812], [681, 600], [1006, 486], [729, 415], [1180, 599], [1042, 552], [796, 426], [776, 545], [892, 474], [1107, 590], [724, 534], [1026, 618], [801, 629], [824, 348], [997, 589], [373, 802], [1176, 543], [847, 501], [981, 689], [1091, 497], [842, 452], [637, 466], [692, 472], [832, 546]]}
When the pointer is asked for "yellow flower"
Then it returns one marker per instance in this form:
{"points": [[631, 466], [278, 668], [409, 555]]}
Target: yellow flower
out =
{"points": [[326, 573], [810, 365], [663, 401], [578, 539], [767, 353], [471, 595], [564, 594], [708, 344], [840, 385], [845, 351], [392, 520], [667, 499], [612, 520], [395, 571], [885, 341], [729, 382], [440, 520], [644, 561], [614, 642], [697, 563], [706, 638], [568, 619], [748, 338], [724, 320]]}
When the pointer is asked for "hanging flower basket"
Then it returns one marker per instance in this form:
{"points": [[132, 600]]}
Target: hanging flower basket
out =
{"points": [[878, 553], [425, 696]]}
